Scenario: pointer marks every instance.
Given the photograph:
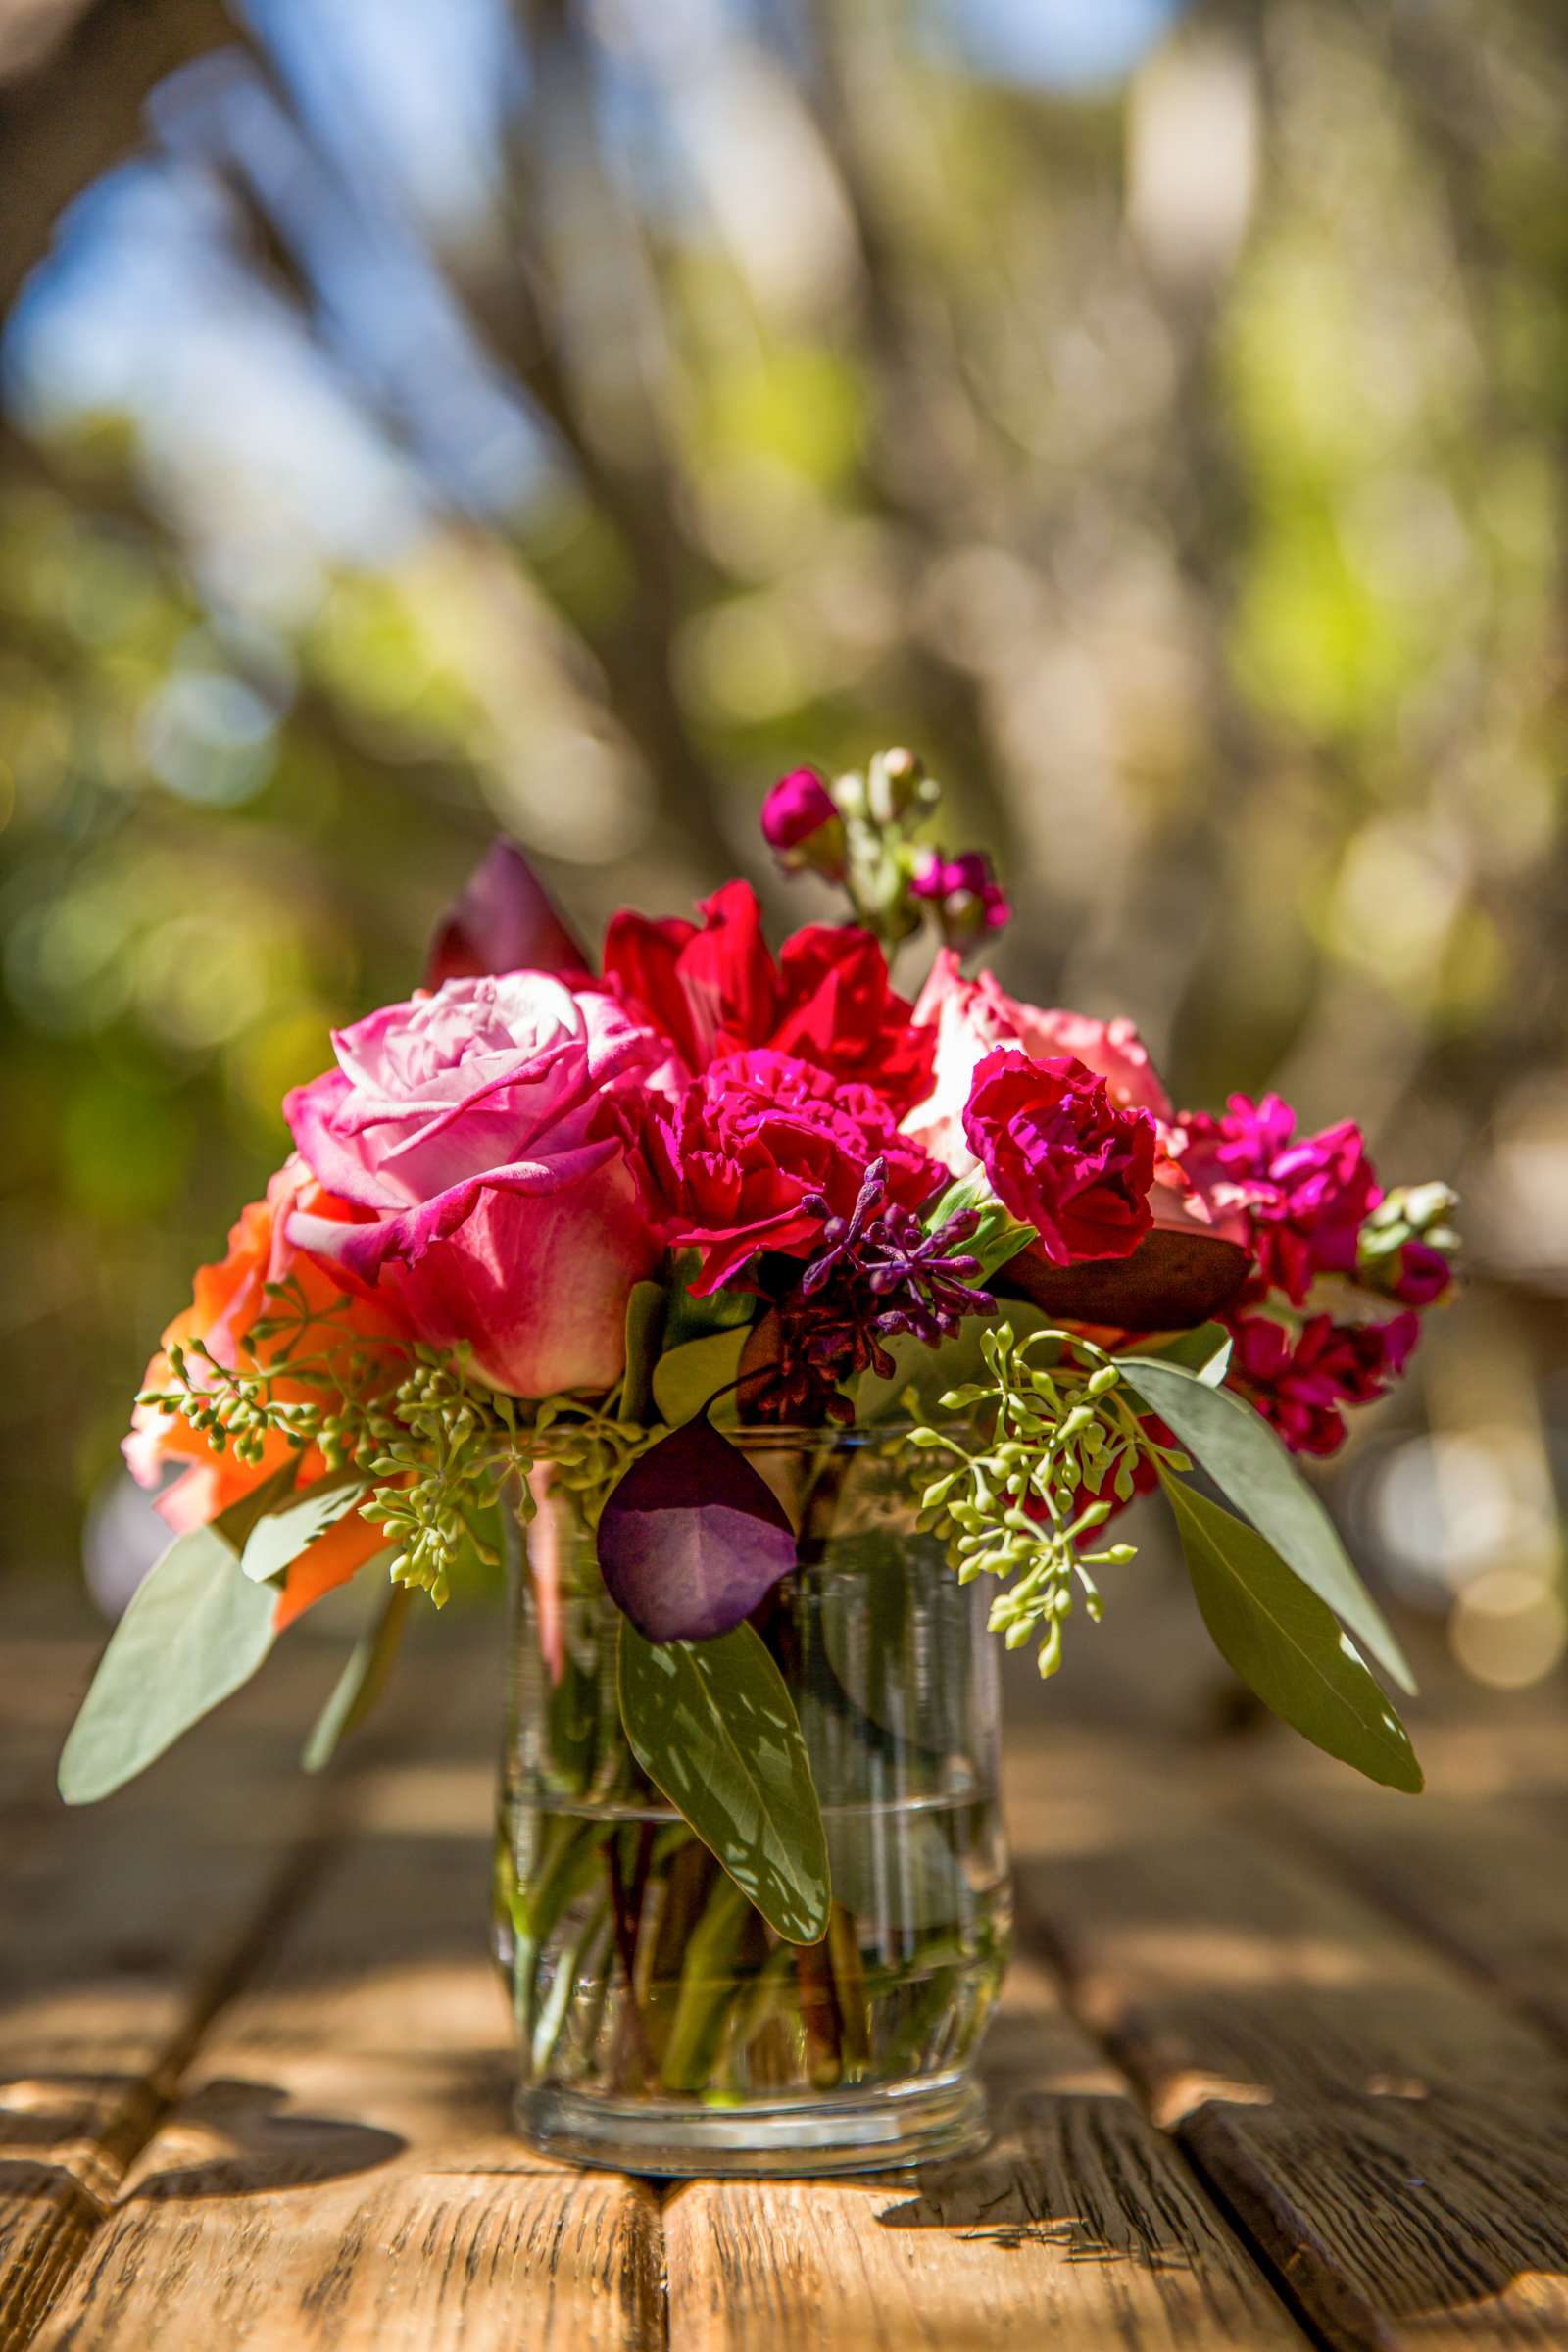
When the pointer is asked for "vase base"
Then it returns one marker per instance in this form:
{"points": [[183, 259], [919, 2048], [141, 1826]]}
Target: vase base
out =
{"points": [[874, 2131]]}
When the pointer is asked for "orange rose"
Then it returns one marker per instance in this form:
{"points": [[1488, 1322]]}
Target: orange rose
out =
{"points": [[230, 1297]]}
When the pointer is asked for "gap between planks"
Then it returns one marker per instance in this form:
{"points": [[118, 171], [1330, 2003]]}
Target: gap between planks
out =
{"points": [[122, 1947], [1392, 2138]]}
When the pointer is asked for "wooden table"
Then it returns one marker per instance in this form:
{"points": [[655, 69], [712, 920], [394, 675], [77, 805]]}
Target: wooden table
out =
{"points": [[1281, 2060]]}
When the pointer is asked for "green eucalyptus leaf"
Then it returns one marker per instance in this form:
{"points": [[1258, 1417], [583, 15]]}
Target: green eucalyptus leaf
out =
{"points": [[196, 1629], [713, 1726], [1248, 1462], [1287, 1645], [279, 1536], [645, 1313], [364, 1676], [690, 1317], [687, 1376], [1206, 1353]]}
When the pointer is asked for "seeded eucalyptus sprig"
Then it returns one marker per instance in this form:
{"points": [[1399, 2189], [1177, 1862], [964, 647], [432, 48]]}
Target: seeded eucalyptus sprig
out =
{"points": [[443, 1447], [588, 1451], [1047, 1434], [434, 1446]]}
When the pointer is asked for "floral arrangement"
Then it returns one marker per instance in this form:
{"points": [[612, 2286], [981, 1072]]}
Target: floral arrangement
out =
{"points": [[543, 1227]]}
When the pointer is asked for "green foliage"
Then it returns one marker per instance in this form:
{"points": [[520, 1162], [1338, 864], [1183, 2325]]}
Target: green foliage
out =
{"points": [[402, 1425], [1204, 1352], [1408, 1212], [1248, 1462], [713, 1726], [196, 1629], [999, 1235], [1047, 1431], [686, 1377], [443, 1449], [364, 1676], [1286, 1645], [279, 1539], [645, 1317], [588, 1451]]}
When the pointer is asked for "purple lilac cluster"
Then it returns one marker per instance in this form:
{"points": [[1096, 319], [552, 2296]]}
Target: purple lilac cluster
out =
{"points": [[878, 1274]]}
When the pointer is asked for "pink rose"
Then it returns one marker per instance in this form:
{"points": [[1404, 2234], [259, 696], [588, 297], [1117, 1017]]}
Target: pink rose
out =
{"points": [[477, 1125], [972, 1018]]}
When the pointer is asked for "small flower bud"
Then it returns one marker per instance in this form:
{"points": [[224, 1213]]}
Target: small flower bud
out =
{"points": [[896, 787], [803, 828], [968, 901]]}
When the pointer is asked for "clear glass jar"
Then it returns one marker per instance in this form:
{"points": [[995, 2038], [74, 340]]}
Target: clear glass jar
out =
{"points": [[664, 2027]]}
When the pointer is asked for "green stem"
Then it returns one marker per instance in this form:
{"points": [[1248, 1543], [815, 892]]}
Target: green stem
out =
{"points": [[710, 1983]]}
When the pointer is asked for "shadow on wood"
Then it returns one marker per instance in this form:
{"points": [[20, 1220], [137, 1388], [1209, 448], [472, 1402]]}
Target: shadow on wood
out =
{"points": [[236, 2138]]}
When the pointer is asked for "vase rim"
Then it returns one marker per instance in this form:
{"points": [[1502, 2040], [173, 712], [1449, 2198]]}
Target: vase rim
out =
{"points": [[787, 1436]]}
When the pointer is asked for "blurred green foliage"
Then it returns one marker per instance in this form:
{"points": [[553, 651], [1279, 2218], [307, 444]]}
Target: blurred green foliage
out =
{"points": [[1180, 466]]}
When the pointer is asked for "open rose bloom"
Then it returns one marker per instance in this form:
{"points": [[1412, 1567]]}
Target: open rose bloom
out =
{"points": [[576, 1224]]}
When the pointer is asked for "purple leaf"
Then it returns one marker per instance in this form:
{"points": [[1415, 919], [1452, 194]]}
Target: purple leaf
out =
{"points": [[692, 1537], [502, 921]]}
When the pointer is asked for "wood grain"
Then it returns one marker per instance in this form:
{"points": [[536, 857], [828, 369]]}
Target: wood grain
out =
{"points": [[124, 1928], [1482, 1877], [1080, 2224], [340, 2171], [1394, 2140]]}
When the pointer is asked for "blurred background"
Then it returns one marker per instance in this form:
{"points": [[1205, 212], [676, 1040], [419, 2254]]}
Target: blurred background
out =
{"points": [[565, 417]]}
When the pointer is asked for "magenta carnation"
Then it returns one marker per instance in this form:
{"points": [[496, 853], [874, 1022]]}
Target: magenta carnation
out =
{"points": [[749, 1152], [1302, 1382], [1304, 1196], [1061, 1156]]}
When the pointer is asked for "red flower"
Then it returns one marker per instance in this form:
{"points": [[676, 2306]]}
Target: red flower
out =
{"points": [[737, 1163], [1060, 1155], [715, 989], [1305, 1195], [1302, 1382]]}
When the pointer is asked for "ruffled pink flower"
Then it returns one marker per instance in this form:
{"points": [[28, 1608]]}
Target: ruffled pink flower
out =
{"points": [[1304, 1196], [731, 1168], [971, 1017], [1062, 1156], [1302, 1382], [475, 1125]]}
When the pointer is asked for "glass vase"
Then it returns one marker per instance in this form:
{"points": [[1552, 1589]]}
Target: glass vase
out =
{"points": [[664, 2027]]}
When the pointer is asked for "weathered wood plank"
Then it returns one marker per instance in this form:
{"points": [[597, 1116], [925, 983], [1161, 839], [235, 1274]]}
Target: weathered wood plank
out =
{"points": [[124, 1930], [341, 2170], [1485, 1879], [1394, 2140], [1081, 2224], [128, 1925]]}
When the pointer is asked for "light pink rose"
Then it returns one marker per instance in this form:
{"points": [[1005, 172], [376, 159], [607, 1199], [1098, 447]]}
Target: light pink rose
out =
{"points": [[973, 1018], [476, 1123]]}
